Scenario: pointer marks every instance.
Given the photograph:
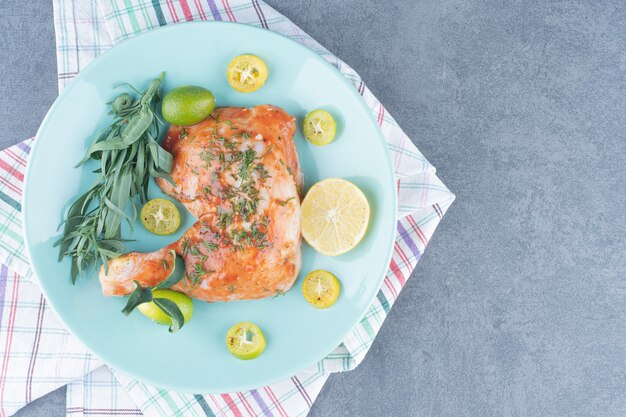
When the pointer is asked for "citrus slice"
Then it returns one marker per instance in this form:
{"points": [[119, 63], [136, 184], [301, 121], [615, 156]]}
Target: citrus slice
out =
{"points": [[246, 73], [335, 215], [160, 216], [321, 289], [152, 311], [319, 127], [245, 340]]}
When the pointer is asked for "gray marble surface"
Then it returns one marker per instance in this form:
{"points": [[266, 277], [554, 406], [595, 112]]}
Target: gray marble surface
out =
{"points": [[518, 307]]}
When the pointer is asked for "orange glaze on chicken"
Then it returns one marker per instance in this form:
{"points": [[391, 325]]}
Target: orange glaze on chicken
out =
{"points": [[238, 173]]}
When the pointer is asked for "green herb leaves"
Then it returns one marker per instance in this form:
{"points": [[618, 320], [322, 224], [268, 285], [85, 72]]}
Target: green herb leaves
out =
{"points": [[171, 309], [247, 157], [121, 103], [139, 296], [210, 246], [198, 271], [284, 202], [143, 295], [129, 155], [173, 278], [137, 125]]}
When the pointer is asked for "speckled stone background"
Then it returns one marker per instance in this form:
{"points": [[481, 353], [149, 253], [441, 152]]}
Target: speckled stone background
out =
{"points": [[518, 307]]}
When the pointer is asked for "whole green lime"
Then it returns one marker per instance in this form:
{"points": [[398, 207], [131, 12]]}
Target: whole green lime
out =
{"points": [[152, 311], [187, 105]]}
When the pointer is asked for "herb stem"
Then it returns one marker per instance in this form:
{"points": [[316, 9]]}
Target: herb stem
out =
{"points": [[128, 155]]}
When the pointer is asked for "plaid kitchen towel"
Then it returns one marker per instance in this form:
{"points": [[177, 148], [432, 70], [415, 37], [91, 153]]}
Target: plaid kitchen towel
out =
{"points": [[38, 355]]}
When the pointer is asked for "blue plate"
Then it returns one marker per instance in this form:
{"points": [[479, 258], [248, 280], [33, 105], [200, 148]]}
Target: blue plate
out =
{"points": [[196, 359]]}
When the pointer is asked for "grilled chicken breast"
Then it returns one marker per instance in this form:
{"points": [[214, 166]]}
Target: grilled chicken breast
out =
{"points": [[238, 173]]}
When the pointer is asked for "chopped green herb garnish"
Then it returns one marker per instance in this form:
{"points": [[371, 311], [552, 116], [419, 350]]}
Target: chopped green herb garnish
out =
{"points": [[224, 220], [247, 158], [207, 156], [238, 235], [198, 273], [229, 144], [284, 202], [185, 245], [263, 174], [194, 250], [249, 189], [210, 245], [183, 133]]}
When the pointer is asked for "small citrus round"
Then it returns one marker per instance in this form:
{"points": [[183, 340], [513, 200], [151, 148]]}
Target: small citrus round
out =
{"points": [[245, 340], [321, 289], [319, 127], [246, 73], [160, 216]]}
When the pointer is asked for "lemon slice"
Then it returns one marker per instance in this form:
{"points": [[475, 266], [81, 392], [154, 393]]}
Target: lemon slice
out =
{"points": [[321, 289], [245, 340], [319, 127], [335, 214], [160, 217], [246, 73]]}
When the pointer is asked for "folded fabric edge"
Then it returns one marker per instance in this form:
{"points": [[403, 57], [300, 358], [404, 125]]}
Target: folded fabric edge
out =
{"points": [[420, 191], [45, 341], [113, 398], [360, 341], [62, 78], [100, 2]]}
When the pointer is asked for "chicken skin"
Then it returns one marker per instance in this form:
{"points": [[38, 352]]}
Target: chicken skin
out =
{"points": [[238, 173]]}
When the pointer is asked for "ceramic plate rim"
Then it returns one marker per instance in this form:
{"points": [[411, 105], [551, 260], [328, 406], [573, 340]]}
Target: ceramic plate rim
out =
{"points": [[56, 106]]}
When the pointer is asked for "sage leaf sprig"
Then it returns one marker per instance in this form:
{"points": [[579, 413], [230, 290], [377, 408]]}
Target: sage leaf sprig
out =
{"points": [[144, 295], [141, 295], [128, 155], [171, 309]]}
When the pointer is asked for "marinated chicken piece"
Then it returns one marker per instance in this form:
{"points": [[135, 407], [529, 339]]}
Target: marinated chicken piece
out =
{"points": [[238, 173]]}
